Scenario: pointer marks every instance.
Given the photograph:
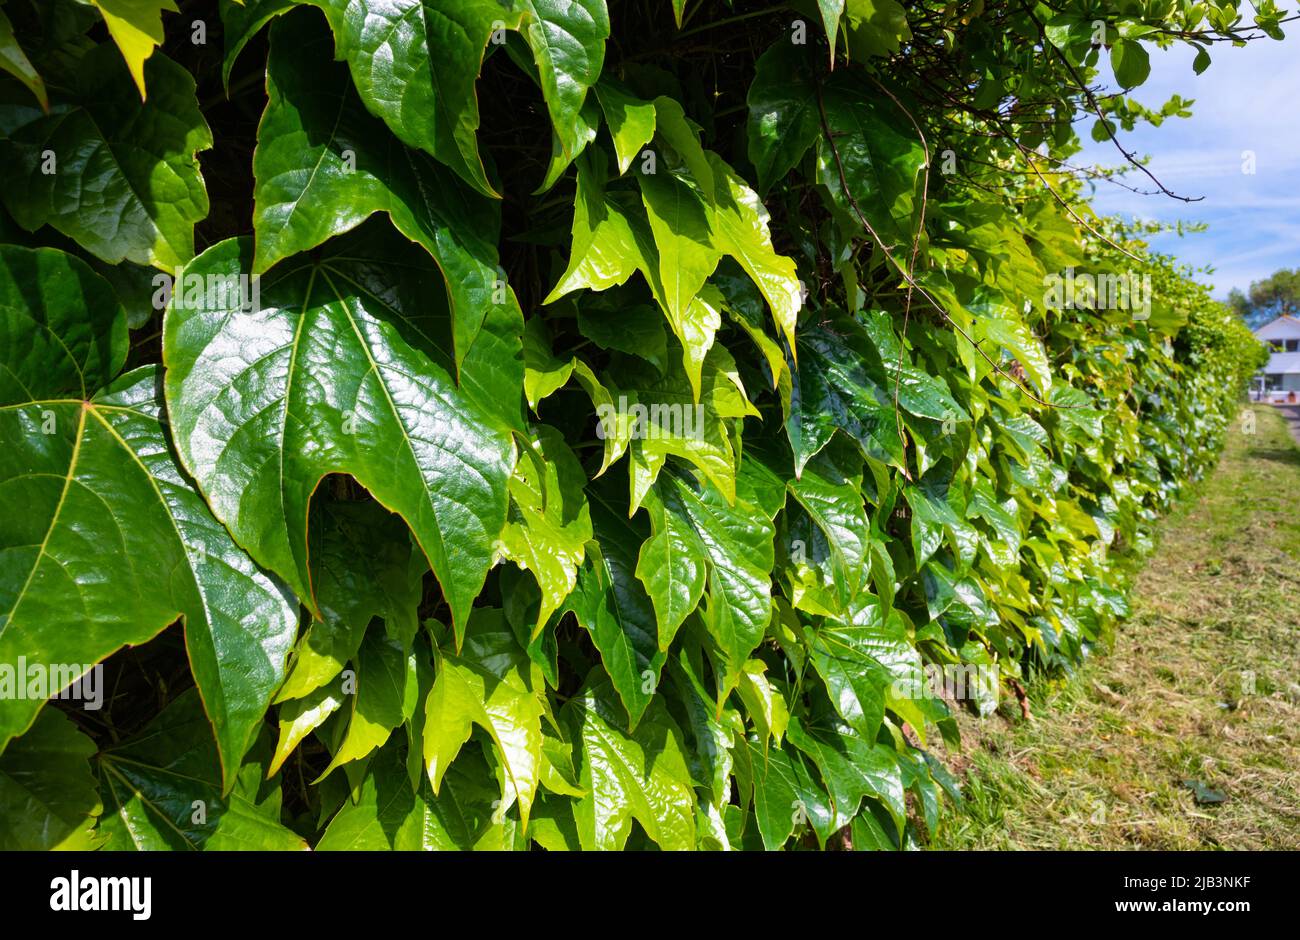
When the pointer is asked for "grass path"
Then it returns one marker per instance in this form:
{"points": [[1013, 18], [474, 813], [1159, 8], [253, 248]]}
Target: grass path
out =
{"points": [[1201, 687]]}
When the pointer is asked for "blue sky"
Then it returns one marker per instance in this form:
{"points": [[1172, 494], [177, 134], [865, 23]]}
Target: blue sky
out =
{"points": [[1248, 99]]}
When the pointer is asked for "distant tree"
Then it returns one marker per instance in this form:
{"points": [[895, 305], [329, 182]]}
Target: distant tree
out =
{"points": [[1239, 303], [1278, 294]]}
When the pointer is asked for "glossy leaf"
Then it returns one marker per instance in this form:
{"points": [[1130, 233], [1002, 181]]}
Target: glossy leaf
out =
{"points": [[549, 523], [315, 119], [490, 685], [162, 791], [125, 182], [334, 374], [105, 475], [699, 541], [641, 776], [612, 605], [48, 797]]}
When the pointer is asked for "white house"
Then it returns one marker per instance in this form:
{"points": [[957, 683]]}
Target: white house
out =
{"points": [[1280, 379]]}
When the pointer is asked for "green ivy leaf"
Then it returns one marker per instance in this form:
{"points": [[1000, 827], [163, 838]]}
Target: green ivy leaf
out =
{"points": [[699, 540], [832, 390], [877, 153], [852, 767], [612, 605], [631, 121], [860, 658], [740, 224], [126, 181], [787, 795], [362, 566], [102, 476], [609, 241], [687, 255], [491, 685], [641, 776], [549, 523], [162, 791], [783, 117], [336, 372], [389, 815], [48, 797], [385, 697], [314, 118], [61, 325]]}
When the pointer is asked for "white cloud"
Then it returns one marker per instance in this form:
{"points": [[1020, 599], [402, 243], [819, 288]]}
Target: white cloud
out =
{"points": [[1249, 99]]}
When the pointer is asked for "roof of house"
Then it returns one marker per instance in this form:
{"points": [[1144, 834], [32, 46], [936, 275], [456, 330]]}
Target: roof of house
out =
{"points": [[1283, 362], [1279, 327]]}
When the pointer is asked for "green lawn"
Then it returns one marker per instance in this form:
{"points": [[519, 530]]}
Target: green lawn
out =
{"points": [[1202, 684]]}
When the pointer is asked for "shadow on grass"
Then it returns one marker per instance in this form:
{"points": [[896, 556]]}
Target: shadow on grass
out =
{"points": [[1283, 455]]}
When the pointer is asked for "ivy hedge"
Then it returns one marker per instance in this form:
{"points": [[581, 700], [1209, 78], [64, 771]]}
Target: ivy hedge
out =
{"points": [[567, 424]]}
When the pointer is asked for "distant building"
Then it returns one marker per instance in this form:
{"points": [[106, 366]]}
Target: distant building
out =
{"points": [[1279, 380]]}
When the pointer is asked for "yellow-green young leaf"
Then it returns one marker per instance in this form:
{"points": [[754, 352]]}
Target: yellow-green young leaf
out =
{"points": [[740, 230], [999, 326], [48, 798], [136, 26], [641, 776], [606, 247], [491, 684], [301, 716], [687, 253], [124, 182], [657, 417], [549, 522], [631, 121], [389, 814], [14, 61], [875, 27], [162, 791], [683, 136], [338, 370], [764, 703], [696, 329], [544, 372], [386, 685], [700, 541]]}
